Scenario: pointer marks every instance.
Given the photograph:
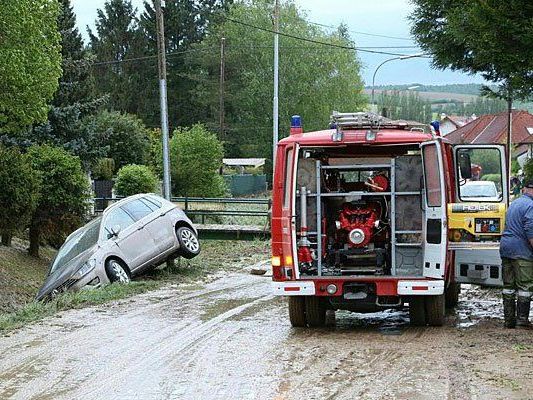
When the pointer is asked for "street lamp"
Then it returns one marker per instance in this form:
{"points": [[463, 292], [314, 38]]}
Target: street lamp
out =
{"points": [[386, 61]]}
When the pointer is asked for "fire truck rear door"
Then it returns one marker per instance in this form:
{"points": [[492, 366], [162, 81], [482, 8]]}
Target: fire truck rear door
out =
{"points": [[288, 214], [476, 219], [434, 240]]}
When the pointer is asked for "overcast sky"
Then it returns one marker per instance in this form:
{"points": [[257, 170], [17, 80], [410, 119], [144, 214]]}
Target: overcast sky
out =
{"points": [[382, 17]]}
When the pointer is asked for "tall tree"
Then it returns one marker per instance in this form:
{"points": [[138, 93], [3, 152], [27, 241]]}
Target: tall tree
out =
{"points": [[73, 100], [314, 79], [116, 27], [186, 23], [29, 61], [408, 106], [489, 37], [133, 86]]}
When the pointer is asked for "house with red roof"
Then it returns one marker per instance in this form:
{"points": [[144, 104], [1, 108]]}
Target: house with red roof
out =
{"points": [[449, 123], [492, 128]]}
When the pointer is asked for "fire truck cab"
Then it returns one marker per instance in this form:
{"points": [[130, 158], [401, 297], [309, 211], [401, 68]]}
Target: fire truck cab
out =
{"points": [[374, 214]]}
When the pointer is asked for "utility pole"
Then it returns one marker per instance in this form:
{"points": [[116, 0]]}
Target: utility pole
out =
{"points": [[221, 89], [162, 64], [275, 113]]}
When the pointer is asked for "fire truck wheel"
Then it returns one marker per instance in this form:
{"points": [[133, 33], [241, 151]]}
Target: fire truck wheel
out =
{"points": [[315, 311], [435, 310], [452, 294], [297, 311], [417, 311]]}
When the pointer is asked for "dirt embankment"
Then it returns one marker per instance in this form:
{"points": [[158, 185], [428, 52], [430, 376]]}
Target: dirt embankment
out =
{"points": [[21, 275]]}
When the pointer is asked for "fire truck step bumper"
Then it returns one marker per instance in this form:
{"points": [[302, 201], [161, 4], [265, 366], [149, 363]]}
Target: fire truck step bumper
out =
{"points": [[420, 288], [300, 288]]}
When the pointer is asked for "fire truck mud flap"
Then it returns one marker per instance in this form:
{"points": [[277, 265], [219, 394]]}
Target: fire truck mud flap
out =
{"points": [[305, 288], [421, 288]]}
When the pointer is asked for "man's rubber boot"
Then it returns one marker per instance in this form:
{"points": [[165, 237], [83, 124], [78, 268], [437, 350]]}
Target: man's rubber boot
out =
{"points": [[522, 310], [509, 310]]}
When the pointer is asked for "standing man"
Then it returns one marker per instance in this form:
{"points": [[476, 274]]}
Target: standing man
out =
{"points": [[516, 251]]}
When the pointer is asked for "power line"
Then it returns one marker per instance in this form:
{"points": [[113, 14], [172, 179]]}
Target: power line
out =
{"points": [[362, 33], [232, 47], [312, 40], [174, 53]]}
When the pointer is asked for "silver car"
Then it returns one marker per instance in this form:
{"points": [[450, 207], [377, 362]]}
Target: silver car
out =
{"points": [[132, 235]]}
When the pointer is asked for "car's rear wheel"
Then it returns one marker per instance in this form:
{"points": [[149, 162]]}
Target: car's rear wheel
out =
{"points": [[116, 271], [189, 243]]}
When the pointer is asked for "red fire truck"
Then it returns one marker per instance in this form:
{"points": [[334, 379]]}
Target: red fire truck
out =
{"points": [[375, 214]]}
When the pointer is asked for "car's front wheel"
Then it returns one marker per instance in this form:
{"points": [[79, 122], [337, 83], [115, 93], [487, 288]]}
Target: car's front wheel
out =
{"points": [[116, 272], [189, 243]]}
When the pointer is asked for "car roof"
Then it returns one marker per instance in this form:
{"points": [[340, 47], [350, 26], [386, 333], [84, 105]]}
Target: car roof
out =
{"points": [[128, 199]]}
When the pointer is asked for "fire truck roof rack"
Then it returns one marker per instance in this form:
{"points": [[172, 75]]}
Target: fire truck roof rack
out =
{"points": [[368, 120]]}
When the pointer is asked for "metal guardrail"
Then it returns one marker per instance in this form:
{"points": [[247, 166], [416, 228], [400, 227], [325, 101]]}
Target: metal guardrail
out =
{"points": [[188, 206]]}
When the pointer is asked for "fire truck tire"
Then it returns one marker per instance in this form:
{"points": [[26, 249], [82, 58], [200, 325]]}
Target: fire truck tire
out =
{"points": [[452, 294], [297, 311], [417, 311], [315, 311], [435, 310]]}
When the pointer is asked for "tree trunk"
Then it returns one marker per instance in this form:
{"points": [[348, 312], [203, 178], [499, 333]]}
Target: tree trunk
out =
{"points": [[6, 239], [35, 237]]}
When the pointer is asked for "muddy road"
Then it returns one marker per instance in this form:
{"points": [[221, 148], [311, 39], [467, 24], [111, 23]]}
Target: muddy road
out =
{"points": [[230, 339]]}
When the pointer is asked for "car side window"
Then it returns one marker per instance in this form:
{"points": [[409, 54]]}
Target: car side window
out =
{"points": [[151, 204], [154, 200], [137, 209], [117, 217]]}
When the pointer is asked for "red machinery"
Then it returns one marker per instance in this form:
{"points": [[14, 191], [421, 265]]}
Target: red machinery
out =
{"points": [[357, 223]]}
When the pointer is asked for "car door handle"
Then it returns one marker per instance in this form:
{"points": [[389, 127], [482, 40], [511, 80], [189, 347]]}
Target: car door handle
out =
{"points": [[163, 214], [140, 227]]}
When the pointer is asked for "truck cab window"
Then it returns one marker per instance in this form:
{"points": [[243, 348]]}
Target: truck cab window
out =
{"points": [[485, 181]]}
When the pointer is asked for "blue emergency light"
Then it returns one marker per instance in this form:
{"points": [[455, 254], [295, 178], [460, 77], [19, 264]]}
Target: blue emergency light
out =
{"points": [[436, 126], [296, 121]]}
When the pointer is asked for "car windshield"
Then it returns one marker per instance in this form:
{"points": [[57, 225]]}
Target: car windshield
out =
{"points": [[487, 190], [82, 240]]}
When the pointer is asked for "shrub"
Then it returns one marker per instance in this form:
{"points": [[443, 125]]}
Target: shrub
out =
{"points": [[126, 136], [528, 169], [104, 169], [496, 178], [20, 192], [65, 193], [155, 153], [133, 179], [196, 155]]}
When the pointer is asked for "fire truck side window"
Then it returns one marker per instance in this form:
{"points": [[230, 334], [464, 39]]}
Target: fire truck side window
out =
{"points": [[288, 178], [485, 181], [431, 170]]}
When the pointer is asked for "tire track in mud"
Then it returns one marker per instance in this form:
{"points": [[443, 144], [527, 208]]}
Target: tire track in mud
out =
{"points": [[187, 337], [63, 340]]}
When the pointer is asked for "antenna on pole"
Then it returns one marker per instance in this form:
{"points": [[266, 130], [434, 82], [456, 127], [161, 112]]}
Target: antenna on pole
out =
{"points": [[162, 66], [275, 114]]}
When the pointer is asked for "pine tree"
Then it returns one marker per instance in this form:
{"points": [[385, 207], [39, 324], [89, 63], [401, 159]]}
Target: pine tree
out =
{"points": [[75, 98]]}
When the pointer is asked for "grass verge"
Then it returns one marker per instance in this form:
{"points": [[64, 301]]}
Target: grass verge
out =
{"points": [[216, 257]]}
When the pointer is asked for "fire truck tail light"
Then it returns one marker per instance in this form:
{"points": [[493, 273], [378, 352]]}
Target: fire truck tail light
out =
{"points": [[288, 261], [276, 261]]}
